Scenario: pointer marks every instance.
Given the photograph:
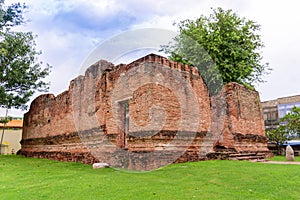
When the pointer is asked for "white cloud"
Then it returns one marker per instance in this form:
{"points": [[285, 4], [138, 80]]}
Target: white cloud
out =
{"points": [[69, 30]]}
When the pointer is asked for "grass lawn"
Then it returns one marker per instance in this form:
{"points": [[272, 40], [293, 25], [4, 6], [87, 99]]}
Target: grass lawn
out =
{"points": [[29, 178], [282, 158]]}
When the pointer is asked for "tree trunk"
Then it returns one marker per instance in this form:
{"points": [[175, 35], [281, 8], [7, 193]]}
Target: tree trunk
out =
{"points": [[3, 131]]}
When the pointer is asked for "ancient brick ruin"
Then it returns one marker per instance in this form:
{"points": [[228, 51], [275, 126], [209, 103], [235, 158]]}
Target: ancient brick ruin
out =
{"points": [[142, 114]]}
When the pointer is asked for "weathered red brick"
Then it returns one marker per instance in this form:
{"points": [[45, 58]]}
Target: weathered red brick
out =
{"points": [[86, 122]]}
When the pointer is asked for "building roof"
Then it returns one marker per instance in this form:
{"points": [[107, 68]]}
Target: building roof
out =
{"points": [[271, 103], [290, 99], [15, 123], [282, 100]]}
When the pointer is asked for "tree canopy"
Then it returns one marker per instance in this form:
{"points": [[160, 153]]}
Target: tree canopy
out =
{"points": [[291, 122], [278, 135], [224, 47], [289, 127], [21, 74]]}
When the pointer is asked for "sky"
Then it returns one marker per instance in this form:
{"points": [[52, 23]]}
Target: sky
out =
{"points": [[69, 30]]}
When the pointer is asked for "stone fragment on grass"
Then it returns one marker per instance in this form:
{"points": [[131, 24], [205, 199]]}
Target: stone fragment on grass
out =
{"points": [[289, 153], [100, 165]]}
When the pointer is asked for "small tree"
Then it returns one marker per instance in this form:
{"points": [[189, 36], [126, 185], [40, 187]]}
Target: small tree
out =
{"points": [[232, 45], [289, 128], [20, 72], [279, 136], [291, 122]]}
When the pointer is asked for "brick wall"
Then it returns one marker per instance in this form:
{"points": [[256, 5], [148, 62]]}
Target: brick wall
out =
{"points": [[243, 127], [169, 114]]}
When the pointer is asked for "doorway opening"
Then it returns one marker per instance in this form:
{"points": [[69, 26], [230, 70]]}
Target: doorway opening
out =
{"points": [[124, 119]]}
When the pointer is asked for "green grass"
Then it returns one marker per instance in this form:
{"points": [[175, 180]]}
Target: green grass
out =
{"points": [[29, 178], [282, 158]]}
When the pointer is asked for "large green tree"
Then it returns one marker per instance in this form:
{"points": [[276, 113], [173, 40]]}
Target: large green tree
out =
{"points": [[224, 47], [21, 74]]}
